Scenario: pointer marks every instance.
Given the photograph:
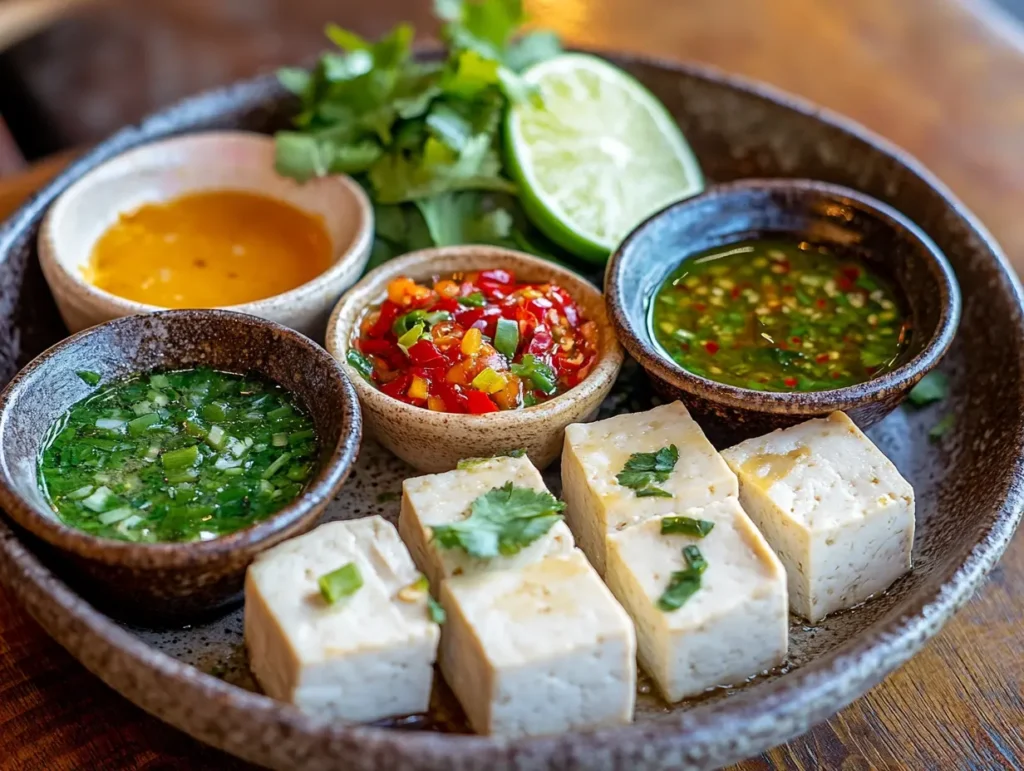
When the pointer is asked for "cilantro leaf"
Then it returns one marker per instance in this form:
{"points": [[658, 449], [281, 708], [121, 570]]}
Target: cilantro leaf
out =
{"points": [[644, 469], [466, 463], [461, 218], [422, 132], [502, 521], [933, 387]]}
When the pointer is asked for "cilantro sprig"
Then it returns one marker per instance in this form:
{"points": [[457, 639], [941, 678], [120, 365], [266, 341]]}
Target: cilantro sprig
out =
{"points": [[644, 470], [422, 137], [502, 521]]}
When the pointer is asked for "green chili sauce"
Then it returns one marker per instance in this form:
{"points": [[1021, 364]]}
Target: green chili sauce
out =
{"points": [[777, 316], [177, 456]]}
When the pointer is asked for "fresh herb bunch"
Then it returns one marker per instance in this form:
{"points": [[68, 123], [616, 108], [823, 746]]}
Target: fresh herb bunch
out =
{"points": [[422, 137]]}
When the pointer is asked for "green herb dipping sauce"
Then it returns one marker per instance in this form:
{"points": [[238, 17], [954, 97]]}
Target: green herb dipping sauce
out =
{"points": [[778, 316], [177, 456]]}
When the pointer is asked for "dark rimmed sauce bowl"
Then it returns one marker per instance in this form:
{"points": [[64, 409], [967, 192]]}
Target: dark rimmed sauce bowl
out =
{"points": [[171, 582], [841, 220]]}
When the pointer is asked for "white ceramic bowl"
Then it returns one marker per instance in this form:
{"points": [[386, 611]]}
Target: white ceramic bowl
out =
{"points": [[437, 441], [165, 170]]}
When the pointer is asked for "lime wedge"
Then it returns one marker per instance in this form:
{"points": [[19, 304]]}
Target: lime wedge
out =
{"points": [[599, 156]]}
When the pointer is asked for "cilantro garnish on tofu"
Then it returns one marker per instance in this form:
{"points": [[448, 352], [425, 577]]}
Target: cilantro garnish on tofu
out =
{"points": [[502, 521], [644, 470]]}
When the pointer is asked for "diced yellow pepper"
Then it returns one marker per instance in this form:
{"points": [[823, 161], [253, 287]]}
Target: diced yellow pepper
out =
{"points": [[417, 388], [436, 404], [489, 381], [471, 341]]}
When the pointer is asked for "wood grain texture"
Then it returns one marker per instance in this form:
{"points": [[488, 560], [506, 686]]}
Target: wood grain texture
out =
{"points": [[942, 78]]}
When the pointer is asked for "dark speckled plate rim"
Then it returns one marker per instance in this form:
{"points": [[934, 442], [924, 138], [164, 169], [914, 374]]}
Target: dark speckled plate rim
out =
{"points": [[643, 348], [725, 732], [321, 488]]}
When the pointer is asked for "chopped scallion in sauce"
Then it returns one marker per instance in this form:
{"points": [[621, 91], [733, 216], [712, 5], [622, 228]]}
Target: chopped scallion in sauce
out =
{"points": [[177, 456], [776, 316]]}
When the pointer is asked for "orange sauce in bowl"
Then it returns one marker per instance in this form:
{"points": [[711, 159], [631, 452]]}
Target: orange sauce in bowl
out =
{"points": [[209, 249]]}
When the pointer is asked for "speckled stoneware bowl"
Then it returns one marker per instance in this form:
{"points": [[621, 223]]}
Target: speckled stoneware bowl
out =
{"points": [[212, 160], [968, 483], [437, 441], [846, 222], [170, 581]]}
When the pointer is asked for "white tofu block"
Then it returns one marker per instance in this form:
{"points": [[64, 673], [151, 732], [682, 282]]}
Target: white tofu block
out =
{"points": [[734, 626], [540, 649], [369, 655], [594, 453], [440, 499], [832, 506]]}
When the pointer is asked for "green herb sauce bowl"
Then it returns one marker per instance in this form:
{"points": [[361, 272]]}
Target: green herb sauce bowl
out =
{"points": [[843, 221], [171, 582]]}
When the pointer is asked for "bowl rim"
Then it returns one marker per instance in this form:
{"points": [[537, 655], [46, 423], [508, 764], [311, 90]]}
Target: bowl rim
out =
{"points": [[610, 355], [782, 710], [646, 351], [357, 249], [330, 477]]}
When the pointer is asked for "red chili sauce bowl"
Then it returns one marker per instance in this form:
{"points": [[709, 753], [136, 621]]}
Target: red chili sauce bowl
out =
{"points": [[543, 385]]}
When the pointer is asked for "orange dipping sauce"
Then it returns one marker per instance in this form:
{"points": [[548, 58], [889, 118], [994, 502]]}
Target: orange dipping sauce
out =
{"points": [[209, 249]]}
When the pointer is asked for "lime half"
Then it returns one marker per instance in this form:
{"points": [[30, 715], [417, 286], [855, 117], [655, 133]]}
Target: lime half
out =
{"points": [[598, 157]]}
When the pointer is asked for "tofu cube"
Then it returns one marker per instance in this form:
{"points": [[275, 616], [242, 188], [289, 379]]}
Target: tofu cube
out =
{"points": [[594, 453], [539, 649], [369, 655], [734, 626], [832, 506], [440, 499]]}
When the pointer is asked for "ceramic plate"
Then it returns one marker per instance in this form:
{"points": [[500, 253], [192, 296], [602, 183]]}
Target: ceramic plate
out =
{"points": [[968, 482]]}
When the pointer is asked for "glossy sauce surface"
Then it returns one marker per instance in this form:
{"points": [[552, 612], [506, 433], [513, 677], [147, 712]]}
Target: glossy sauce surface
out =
{"points": [[778, 316], [177, 456], [210, 249]]}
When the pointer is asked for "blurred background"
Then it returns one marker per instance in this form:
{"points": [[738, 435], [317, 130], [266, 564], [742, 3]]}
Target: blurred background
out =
{"points": [[73, 71]]}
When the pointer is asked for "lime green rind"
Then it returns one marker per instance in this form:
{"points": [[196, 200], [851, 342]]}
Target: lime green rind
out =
{"points": [[547, 216]]}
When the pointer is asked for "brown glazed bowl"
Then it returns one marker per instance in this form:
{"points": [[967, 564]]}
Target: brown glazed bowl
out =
{"points": [[844, 221], [171, 581], [437, 441]]}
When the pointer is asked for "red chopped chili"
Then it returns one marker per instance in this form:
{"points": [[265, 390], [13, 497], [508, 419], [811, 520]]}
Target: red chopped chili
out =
{"points": [[440, 346]]}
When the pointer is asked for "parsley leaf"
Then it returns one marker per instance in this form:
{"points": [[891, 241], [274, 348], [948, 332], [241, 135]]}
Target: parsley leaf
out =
{"points": [[644, 469], [933, 387], [502, 521]]}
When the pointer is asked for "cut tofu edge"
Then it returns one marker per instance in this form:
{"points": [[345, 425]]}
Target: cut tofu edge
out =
{"points": [[595, 453], [440, 499], [707, 642], [833, 507], [538, 649], [367, 656]]}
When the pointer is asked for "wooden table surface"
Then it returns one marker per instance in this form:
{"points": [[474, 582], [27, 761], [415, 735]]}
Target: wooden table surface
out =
{"points": [[942, 78]]}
